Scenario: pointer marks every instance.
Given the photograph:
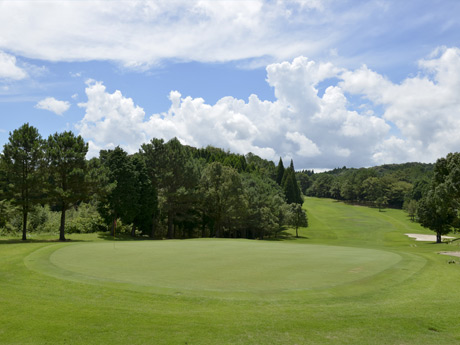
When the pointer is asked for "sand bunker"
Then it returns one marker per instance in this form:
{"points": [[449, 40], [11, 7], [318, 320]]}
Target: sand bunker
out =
{"points": [[450, 253], [428, 238]]}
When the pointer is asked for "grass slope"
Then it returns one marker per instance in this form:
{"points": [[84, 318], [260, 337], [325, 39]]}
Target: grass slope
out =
{"points": [[68, 293]]}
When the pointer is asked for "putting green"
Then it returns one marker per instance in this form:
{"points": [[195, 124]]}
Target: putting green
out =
{"points": [[213, 265]]}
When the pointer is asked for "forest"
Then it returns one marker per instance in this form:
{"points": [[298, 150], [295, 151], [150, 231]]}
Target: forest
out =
{"points": [[165, 190], [170, 190]]}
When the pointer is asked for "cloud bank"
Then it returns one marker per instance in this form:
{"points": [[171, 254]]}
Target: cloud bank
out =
{"points": [[420, 120]]}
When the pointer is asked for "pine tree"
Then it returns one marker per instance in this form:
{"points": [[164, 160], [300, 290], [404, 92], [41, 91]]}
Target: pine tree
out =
{"points": [[290, 186], [67, 167], [22, 159], [122, 199], [280, 172]]}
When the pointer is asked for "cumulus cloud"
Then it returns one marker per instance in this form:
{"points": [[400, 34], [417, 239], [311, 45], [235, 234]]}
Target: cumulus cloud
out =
{"points": [[419, 118], [425, 108], [53, 105], [9, 68], [315, 131]]}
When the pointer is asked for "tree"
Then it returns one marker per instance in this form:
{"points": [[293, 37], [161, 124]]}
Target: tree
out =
{"points": [[373, 189], [438, 210], [67, 169], [175, 175], [121, 199], [223, 197], [381, 202], [298, 218], [265, 212], [22, 161], [290, 186], [410, 206], [304, 181], [279, 172], [321, 187], [435, 212], [147, 197]]}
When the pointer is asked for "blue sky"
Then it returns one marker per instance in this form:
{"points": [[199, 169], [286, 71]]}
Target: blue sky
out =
{"points": [[327, 83]]}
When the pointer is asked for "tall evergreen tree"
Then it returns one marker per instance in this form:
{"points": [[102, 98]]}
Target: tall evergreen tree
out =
{"points": [[22, 158], [279, 172], [121, 199], [290, 186], [175, 175], [67, 168], [147, 197]]}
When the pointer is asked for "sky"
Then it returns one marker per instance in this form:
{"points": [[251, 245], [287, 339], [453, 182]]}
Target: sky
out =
{"points": [[327, 83]]}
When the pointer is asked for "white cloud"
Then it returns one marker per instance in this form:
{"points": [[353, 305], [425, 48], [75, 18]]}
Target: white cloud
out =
{"points": [[53, 105], [425, 108], [420, 118], [315, 131], [111, 119], [9, 68], [143, 33]]}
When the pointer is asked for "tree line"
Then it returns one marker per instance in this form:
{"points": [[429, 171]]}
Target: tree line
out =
{"points": [[391, 185], [165, 190], [429, 193]]}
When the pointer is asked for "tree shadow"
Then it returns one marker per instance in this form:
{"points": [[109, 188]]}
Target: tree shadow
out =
{"points": [[284, 236], [124, 237], [32, 240]]}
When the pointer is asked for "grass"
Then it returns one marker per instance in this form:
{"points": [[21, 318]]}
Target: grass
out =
{"points": [[352, 278]]}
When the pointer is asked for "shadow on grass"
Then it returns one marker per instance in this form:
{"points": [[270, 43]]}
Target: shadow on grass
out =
{"points": [[124, 237], [284, 236], [32, 240]]}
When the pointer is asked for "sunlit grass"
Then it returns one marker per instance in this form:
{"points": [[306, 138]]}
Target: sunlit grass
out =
{"points": [[82, 292]]}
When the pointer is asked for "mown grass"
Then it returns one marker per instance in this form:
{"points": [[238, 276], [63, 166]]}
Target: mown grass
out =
{"points": [[412, 301]]}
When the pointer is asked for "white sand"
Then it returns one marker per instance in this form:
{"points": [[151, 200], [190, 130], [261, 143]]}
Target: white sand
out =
{"points": [[428, 238], [450, 253]]}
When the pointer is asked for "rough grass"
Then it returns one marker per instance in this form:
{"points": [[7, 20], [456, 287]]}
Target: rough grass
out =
{"points": [[61, 293]]}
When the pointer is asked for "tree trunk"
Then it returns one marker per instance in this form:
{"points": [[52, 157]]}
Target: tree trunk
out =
{"points": [[438, 237], [24, 224], [133, 231], [62, 227], [297, 231]]}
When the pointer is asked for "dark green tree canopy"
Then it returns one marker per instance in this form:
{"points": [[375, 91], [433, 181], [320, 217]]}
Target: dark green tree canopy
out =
{"points": [[66, 154], [279, 172], [22, 161]]}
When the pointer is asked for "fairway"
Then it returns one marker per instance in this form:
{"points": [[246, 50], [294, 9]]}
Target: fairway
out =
{"points": [[215, 265]]}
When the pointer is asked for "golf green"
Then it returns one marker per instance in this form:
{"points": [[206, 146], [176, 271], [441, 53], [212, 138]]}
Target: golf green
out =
{"points": [[224, 266]]}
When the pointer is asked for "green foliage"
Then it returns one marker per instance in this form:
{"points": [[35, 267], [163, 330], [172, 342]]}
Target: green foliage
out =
{"points": [[166, 190], [290, 187], [67, 172], [438, 210], [223, 198], [298, 218], [212, 154], [371, 186], [121, 200], [280, 172], [22, 161], [304, 181], [410, 206], [260, 166]]}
